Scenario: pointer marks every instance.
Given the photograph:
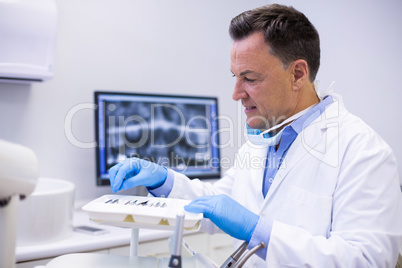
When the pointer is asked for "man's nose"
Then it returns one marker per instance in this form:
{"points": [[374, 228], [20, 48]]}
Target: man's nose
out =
{"points": [[238, 92]]}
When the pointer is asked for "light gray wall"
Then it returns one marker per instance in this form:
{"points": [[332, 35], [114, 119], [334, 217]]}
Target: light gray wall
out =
{"points": [[182, 47]]}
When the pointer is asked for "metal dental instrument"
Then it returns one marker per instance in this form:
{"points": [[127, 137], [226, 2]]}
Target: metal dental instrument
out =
{"points": [[175, 259], [143, 203], [243, 260], [232, 260], [112, 201]]}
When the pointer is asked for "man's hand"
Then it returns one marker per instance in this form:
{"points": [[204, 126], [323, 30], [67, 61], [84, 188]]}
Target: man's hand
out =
{"points": [[227, 214], [133, 172]]}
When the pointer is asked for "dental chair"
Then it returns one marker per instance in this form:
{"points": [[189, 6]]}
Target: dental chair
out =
{"points": [[19, 171]]}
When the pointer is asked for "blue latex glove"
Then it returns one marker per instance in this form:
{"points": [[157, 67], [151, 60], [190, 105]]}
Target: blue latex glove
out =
{"points": [[133, 172], [227, 214]]}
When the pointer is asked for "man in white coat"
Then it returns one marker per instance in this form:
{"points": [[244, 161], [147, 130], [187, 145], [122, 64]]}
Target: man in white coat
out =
{"points": [[314, 183]]}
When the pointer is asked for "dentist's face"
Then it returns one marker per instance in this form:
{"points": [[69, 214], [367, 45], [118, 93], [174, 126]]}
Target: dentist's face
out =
{"points": [[262, 84]]}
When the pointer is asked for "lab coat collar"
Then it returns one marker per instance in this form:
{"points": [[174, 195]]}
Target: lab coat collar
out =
{"points": [[310, 141]]}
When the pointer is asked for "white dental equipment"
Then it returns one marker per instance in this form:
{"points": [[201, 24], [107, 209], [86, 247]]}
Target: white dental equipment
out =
{"points": [[19, 171]]}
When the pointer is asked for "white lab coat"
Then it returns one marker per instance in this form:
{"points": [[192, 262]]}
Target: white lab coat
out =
{"points": [[335, 202]]}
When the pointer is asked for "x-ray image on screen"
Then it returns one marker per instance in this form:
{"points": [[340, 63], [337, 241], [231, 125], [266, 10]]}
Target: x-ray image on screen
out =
{"points": [[176, 132], [170, 134]]}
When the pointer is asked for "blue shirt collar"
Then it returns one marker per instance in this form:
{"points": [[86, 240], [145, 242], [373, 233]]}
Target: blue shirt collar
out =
{"points": [[303, 121]]}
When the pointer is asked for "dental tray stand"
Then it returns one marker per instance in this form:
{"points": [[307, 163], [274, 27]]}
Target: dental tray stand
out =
{"points": [[138, 212], [151, 213]]}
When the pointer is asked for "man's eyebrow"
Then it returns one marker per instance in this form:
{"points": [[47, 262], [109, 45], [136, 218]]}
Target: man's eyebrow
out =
{"points": [[254, 73], [246, 72]]}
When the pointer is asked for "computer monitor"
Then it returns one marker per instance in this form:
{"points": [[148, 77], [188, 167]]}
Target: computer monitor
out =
{"points": [[178, 132]]}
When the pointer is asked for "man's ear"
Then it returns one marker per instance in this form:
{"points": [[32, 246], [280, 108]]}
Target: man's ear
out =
{"points": [[299, 74]]}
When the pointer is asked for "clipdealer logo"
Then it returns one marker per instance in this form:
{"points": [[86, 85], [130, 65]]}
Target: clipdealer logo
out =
{"points": [[68, 125], [324, 145]]}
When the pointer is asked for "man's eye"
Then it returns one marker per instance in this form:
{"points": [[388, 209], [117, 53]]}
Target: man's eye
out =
{"points": [[249, 79]]}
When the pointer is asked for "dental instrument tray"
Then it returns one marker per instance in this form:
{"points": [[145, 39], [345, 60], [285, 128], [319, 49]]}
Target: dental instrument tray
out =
{"points": [[141, 212]]}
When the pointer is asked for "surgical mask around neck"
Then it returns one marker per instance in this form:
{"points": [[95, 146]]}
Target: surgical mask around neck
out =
{"points": [[266, 137]]}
